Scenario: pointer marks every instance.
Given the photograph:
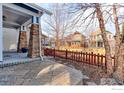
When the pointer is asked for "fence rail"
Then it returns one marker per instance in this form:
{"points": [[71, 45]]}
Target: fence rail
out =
{"points": [[88, 58]]}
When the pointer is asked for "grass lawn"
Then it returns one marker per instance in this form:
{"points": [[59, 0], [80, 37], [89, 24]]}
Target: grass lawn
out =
{"points": [[89, 50]]}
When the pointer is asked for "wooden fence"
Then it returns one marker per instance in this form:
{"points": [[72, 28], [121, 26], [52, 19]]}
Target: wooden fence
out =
{"points": [[88, 58]]}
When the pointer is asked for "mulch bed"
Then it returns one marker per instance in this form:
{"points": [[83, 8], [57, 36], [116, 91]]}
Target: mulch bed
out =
{"points": [[93, 72]]}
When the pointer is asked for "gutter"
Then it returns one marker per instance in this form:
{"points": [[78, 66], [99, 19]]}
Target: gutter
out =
{"points": [[35, 6]]}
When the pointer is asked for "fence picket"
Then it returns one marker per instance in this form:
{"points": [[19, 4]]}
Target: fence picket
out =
{"points": [[89, 58], [98, 60], [81, 57], [86, 57], [92, 61], [102, 63]]}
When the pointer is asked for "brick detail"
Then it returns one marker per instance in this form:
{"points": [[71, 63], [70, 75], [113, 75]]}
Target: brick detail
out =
{"points": [[34, 47], [22, 41]]}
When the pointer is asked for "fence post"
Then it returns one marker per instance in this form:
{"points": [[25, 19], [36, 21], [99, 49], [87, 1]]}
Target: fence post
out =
{"points": [[102, 61], [89, 58], [46, 52], [66, 54], [81, 57], [105, 64], [86, 57], [98, 59], [54, 52], [92, 61]]}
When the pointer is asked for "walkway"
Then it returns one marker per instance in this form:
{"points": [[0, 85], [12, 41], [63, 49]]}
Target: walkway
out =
{"points": [[40, 73]]}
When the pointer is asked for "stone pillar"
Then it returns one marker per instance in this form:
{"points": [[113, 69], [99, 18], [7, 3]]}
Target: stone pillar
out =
{"points": [[34, 46], [1, 33], [22, 40]]}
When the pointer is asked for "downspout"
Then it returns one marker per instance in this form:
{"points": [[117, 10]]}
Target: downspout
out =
{"points": [[40, 13], [40, 32]]}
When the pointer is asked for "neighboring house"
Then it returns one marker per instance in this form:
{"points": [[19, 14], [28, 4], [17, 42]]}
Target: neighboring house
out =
{"points": [[86, 42], [96, 40], [52, 42], [44, 40], [75, 40]]}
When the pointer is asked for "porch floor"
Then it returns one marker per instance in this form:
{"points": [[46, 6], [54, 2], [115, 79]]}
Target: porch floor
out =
{"points": [[11, 58]]}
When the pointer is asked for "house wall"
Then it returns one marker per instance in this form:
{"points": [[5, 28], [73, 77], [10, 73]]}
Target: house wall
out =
{"points": [[10, 39], [1, 36], [80, 41], [77, 37]]}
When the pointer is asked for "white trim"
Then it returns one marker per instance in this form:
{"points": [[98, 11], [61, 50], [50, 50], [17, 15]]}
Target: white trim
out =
{"points": [[34, 20], [15, 7], [10, 22], [1, 33], [39, 8], [23, 28], [27, 22]]}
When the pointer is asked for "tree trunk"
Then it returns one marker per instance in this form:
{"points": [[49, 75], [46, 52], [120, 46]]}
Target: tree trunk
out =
{"points": [[105, 40], [57, 41], [119, 73], [117, 36], [119, 49]]}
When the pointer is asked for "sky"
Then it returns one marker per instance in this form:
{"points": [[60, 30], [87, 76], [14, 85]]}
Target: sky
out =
{"points": [[46, 6], [110, 27]]}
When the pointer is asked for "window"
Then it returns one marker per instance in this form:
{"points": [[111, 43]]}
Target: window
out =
{"points": [[100, 44], [37, 19]]}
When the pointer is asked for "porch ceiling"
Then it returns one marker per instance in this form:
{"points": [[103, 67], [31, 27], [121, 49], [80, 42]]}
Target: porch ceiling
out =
{"points": [[13, 18]]}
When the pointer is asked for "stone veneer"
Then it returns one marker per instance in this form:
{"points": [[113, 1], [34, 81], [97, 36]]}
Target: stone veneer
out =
{"points": [[34, 49], [22, 41]]}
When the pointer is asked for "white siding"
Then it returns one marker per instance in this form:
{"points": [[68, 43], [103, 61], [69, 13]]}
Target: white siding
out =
{"points": [[1, 38], [10, 39]]}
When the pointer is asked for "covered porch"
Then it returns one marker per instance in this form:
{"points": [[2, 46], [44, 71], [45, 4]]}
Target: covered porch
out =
{"points": [[20, 22]]}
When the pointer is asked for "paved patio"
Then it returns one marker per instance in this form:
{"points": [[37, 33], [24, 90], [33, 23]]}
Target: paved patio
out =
{"points": [[40, 73]]}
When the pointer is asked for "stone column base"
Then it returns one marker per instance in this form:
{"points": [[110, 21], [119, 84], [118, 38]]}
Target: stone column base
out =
{"points": [[34, 46], [22, 41]]}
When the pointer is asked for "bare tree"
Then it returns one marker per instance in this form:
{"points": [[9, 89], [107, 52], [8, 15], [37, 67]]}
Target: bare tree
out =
{"points": [[119, 38], [119, 47], [105, 40], [59, 23], [95, 13], [87, 14]]}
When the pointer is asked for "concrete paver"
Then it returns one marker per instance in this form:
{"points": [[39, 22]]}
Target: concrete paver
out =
{"points": [[40, 73]]}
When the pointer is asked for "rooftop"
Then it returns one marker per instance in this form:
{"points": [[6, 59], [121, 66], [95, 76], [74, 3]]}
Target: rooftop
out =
{"points": [[98, 31]]}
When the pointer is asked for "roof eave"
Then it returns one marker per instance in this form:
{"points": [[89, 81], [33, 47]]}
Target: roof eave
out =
{"points": [[39, 8]]}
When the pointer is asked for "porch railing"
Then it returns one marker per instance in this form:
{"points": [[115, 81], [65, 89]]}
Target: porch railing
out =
{"points": [[88, 58]]}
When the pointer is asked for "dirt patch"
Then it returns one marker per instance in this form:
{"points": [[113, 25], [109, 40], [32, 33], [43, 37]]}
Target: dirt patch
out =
{"points": [[93, 72]]}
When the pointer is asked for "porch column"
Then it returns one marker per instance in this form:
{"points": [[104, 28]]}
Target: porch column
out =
{"points": [[1, 33], [22, 40], [34, 45]]}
